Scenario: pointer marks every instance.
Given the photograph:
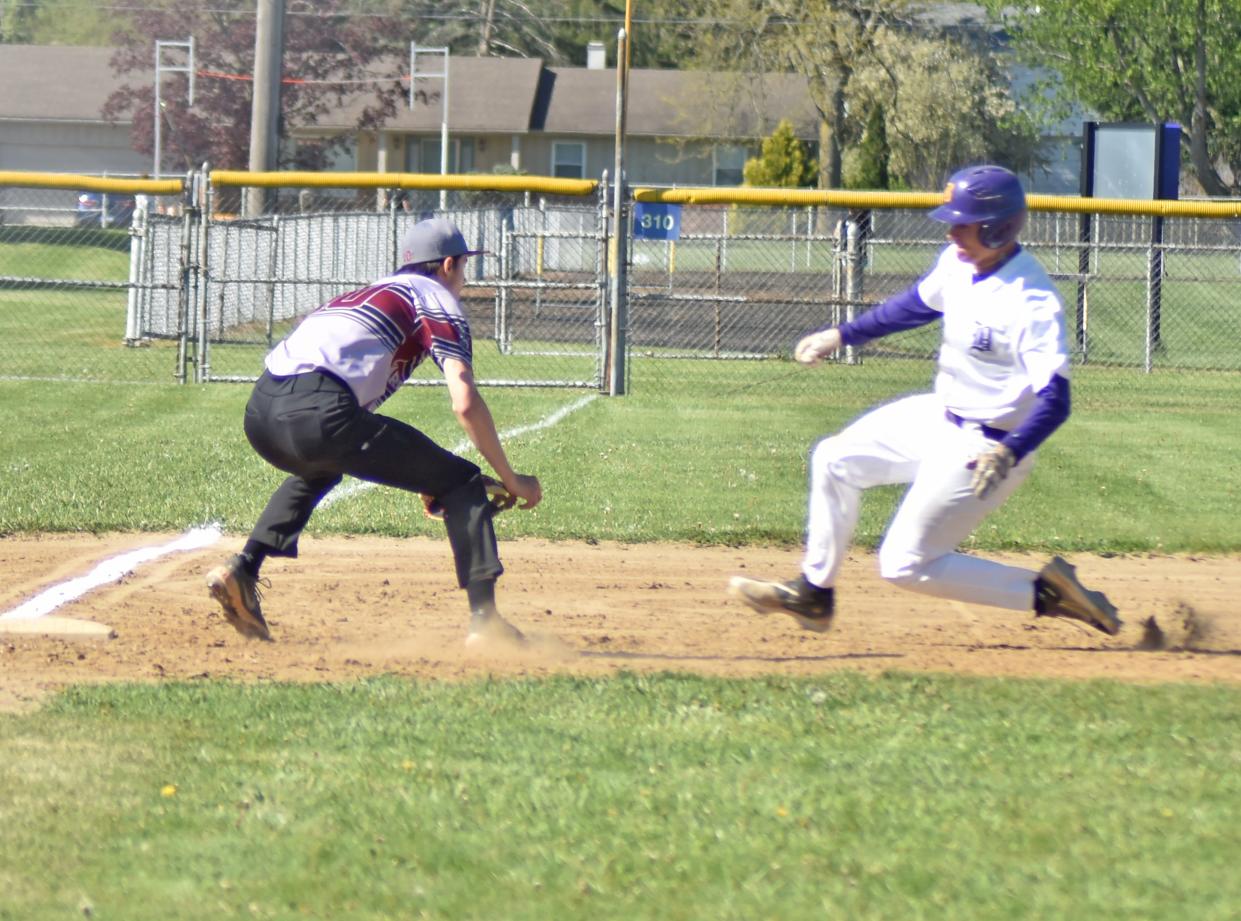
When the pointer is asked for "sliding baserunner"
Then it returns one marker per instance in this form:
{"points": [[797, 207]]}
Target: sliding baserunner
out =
{"points": [[1001, 390]]}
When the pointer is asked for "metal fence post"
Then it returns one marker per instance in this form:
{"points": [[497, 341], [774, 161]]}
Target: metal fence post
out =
{"points": [[853, 282], [271, 287], [203, 269], [184, 292], [838, 274], [618, 343], [506, 275], [603, 294], [1081, 335], [137, 240], [1154, 291]]}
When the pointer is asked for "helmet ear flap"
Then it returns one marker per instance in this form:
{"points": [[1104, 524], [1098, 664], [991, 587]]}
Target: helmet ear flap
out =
{"points": [[998, 234]]}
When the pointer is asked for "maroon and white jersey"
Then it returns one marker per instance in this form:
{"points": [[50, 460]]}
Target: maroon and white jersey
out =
{"points": [[375, 337]]}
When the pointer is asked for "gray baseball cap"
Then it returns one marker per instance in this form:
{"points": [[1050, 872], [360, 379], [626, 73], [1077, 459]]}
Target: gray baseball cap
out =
{"points": [[433, 240]]}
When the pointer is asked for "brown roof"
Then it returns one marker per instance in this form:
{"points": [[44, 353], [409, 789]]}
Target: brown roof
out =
{"points": [[55, 82], [672, 103], [484, 95]]}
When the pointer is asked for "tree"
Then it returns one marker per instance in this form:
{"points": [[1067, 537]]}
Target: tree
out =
{"points": [[504, 28], [870, 163], [824, 41], [783, 162], [1147, 60], [53, 22], [944, 103], [557, 31], [326, 55], [664, 43]]}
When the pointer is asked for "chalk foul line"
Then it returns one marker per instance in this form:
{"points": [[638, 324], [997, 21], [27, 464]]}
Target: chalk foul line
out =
{"points": [[109, 571], [354, 487]]}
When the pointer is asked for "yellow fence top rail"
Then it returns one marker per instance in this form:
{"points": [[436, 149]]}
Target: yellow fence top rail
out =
{"points": [[30, 180], [481, 182], [711, 195], [707, 195], [922, 200]]}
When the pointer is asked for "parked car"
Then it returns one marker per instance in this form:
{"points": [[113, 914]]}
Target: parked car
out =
{"points": [[91, 209]]}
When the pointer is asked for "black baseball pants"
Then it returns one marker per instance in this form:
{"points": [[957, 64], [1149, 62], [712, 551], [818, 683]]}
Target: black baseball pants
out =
{"points": [[311, 426]]}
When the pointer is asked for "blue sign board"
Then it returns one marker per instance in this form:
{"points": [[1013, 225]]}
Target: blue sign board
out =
{"points": [[652, 221]]}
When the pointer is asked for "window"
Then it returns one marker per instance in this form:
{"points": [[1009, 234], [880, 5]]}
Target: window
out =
{"points": [[337, 155], [569, 160], [422, 155], [343, 158], [728, 165]]}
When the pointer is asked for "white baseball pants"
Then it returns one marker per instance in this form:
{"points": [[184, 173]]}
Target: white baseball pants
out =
{"points": [[912, 441]]}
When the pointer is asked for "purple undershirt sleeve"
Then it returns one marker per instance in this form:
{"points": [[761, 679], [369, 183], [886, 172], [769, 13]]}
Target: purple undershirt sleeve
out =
{"points": [[1050, 411], [903, 311]]}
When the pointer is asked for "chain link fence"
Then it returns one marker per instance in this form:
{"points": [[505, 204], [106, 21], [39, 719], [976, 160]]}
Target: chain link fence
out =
{"points": [[158, 287], [535, 298], [74, 263]]}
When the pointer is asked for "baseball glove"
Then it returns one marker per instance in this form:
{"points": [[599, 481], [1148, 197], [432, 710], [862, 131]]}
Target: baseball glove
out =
{"points": [[499, 497], [990, 469]]}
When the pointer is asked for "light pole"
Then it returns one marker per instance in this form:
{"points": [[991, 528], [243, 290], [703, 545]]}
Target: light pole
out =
{"points": [[160, 69], [414, 51]]}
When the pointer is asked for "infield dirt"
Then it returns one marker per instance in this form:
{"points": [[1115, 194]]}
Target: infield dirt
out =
{"points": [[351, 607]]}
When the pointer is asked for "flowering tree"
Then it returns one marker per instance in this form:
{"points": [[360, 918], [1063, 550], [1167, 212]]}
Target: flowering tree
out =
{"points": [[330, 60]]}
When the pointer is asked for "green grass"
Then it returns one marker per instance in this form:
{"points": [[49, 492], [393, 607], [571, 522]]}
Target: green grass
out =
{"points": [[633, 797], [723, 463], [64, 253]]}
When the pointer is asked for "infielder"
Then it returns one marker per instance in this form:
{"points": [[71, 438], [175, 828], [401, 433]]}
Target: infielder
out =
{"points": [[1002, 388], [312, 415]]}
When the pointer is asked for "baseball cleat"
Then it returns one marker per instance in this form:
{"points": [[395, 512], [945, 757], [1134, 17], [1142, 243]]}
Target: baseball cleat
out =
{"points": [[811, 606], [1061, 595], [238, 594], [493, 631]]}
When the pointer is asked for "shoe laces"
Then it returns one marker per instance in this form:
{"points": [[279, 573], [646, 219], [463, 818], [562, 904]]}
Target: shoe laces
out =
{"points": [[252, 587]]}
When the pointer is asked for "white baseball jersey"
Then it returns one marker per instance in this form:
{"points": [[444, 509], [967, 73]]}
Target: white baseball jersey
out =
{"points": [[373, 338], [1003, 343], [1003, 337]]}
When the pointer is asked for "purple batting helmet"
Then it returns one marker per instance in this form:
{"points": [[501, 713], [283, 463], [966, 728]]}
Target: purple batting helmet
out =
{"points": [[990, 196]]}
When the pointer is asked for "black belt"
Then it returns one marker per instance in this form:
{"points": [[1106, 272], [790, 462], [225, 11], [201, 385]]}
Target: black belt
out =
{"points": [[318, 379], [988, 431]]}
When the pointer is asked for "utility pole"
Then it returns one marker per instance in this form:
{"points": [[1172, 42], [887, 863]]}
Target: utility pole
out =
{"points": [[265, 114], [489, 16]]}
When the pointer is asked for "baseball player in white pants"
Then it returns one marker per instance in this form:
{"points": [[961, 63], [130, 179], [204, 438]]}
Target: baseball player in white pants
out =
{"points": [[1001, 390]]}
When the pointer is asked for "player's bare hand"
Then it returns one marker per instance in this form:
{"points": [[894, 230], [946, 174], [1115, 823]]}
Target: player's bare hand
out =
{"points": [[814, 348], [990, 469], [526, 488]]}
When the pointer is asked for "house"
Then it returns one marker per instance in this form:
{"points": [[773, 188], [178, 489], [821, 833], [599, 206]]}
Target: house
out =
{"points": [[683, 127], [503, 112], [49, 112]]}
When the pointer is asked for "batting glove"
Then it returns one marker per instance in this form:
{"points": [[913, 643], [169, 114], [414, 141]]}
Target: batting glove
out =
{"points": [[990, 468]]}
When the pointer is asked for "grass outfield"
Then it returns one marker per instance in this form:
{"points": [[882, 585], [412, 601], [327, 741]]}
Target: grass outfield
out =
{"points": [[722, 463], [661, 796], [633, 797]]}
